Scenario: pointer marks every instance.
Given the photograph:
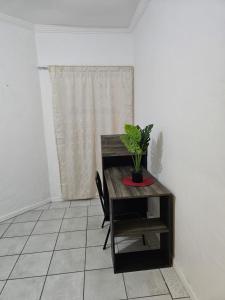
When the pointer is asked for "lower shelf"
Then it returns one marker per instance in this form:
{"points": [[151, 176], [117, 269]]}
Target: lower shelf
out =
{"points": [[144, 260], [139, 226]]}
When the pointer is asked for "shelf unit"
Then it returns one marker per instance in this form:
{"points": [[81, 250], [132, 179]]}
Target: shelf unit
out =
{"points": [[134, 227], [163, 226]]}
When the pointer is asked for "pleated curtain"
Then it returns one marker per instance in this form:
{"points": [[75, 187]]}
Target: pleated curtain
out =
{"points": [[87, 102]]}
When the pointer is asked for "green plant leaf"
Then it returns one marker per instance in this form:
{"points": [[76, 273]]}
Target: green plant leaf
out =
{"points": [[136, 140], [132, 138], [145, 137]]}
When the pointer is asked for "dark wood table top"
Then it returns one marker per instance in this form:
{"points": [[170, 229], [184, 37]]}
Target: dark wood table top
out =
{"points": [[112, 146], [117, 190]]}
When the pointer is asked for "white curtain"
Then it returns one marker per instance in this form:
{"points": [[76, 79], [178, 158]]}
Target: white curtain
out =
{"points": [[87, 102]]}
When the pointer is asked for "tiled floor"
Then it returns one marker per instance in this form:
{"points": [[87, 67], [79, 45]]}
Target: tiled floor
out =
{"points": [[55, 252]]}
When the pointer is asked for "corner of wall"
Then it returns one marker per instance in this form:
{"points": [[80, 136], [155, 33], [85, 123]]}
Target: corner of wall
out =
{"points": [[16, 21], [24, 209], [184, 280]]}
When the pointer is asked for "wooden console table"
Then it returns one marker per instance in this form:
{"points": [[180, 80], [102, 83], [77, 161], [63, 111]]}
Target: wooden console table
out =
{"points": [[148, 259]]}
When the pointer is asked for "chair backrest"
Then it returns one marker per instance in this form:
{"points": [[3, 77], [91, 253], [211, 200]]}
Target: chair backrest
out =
{"points": [[100, 191]]}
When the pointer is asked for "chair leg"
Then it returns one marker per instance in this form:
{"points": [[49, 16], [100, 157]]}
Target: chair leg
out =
{"points": [[106, 239], [143, 239], [103, 222]]}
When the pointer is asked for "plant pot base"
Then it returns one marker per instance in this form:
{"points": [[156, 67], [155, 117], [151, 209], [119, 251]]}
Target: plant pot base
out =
{"points": [[137, 176]]}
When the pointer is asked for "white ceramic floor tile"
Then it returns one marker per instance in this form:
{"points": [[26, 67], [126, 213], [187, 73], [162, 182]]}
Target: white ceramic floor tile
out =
{"points": [[6, 265], [97, 258], [51, 226], [3, 228], [95, 222], [40, 243], [145, 284], [95, 202], [52, 214], [76, 212], [161, 297], [23, 289], [97, 237], [75, 203], [104, 284], [68, 240], [65, 261], [29, 265], [10, 246], [173, 282], [74, 224], [100, 282], [64, 286], [60, 204], [29, 216], [95, 210], [19, 229], [42, 207]]}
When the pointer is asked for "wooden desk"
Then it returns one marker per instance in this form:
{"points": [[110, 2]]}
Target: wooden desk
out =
{"points": [[141, 260]]}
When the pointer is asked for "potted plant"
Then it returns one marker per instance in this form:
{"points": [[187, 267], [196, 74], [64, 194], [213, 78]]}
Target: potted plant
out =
{"points": [[136, 140]]}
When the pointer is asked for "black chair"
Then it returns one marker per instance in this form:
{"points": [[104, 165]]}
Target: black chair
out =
{"points": [[106, 210], [101, 197]]}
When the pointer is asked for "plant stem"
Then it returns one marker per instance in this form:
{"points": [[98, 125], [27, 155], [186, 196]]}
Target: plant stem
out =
{"points": [[137, 161]]}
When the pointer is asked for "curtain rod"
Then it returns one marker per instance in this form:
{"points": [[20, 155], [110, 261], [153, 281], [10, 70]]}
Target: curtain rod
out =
{"points": [[46, 67], [42, 67]]}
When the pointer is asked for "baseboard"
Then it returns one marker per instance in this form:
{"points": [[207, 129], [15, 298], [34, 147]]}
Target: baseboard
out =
{"points": [[24, 209], [184, 281], [56, 199]]}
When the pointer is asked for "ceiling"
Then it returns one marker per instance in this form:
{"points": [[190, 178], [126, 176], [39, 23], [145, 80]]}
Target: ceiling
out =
{"points": [[79, 13]]}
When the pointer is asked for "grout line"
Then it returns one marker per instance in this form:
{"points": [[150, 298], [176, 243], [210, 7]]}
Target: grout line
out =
{"points": [[36, 234], [55, 250], [16, 236], [62, 273], [181, 298], [42, 208], [54, 219], [85, 256], [152, 296], [165, 283], [7, 221], [2, 236], [106, 268], [124, 285], [38, 276], [19, 254], [34, 209], [27, 212], [91, 246], [109, 268], [52, 256]]}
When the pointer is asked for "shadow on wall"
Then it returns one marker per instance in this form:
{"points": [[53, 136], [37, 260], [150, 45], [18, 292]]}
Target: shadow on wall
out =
{"points": [[156, 155], [156, 152]]}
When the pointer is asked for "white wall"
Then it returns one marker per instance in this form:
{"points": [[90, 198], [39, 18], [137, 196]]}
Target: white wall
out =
{"points": [[75, 48], [23, 164], [180, 87], [88, 48]]}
